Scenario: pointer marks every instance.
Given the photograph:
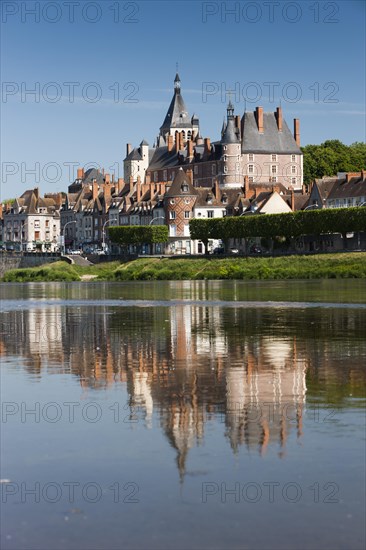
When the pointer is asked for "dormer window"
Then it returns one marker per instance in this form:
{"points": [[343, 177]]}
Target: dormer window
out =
{"points": [[224, 199], [184, 188]]}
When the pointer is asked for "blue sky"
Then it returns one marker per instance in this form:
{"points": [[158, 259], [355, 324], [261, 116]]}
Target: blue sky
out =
{"points": [[310, 56]]}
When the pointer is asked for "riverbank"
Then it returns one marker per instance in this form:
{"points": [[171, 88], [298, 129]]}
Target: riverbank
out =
{"points": [[320, 266]]}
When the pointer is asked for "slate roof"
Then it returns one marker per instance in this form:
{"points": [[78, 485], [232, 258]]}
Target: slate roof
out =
{"points": [[93, 174], [343, 189], [177, 115], [325, 186], [271, 140], [162, 158], [230, 134]]}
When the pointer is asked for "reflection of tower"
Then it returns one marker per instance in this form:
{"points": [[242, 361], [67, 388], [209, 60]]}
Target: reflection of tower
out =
{"points": [[181, 331], [265, 398], [142, 394], [183, 420]]}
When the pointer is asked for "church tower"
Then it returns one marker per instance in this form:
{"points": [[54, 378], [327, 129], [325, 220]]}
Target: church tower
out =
{"points": [[177, 118], [231, 173]]}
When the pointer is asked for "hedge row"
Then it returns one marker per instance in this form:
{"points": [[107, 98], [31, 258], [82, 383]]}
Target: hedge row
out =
{"points": [[138, 234], [292, 224]]}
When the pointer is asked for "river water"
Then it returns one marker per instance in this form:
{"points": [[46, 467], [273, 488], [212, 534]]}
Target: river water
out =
{"points": [[183, 415]]}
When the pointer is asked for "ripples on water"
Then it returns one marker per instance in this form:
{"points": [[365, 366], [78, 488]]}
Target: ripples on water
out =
{"points": [[203, 415]]}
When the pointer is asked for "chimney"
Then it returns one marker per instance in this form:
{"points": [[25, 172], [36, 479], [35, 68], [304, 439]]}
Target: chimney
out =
{"points": [[128, 149], [107, 178], [1, 210], [237, 121], [162, 189], [148, 178], [207, 145], [120, 184], [138, 189], [217, 189], [95, 190], [259, 115], [351, 175], [107, 192], [246, 186], [292, 200], [189, 174], [170, 143], [279, 118], [80, 174], [190, 149], [177, 141], [36, 192], [181, 141], [297, 131], [303, 189], [131, 183]]}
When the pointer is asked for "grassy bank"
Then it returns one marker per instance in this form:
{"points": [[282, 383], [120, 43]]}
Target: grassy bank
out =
{"points": [[321, 266]]}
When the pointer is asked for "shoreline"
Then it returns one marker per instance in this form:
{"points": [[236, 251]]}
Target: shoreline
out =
{"points": [[320, 266]]}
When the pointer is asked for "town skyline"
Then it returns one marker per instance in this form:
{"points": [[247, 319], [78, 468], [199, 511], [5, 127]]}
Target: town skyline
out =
{"points": [[87, 104]]}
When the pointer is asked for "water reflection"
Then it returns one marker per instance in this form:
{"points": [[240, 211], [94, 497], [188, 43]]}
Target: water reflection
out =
{"points": [[253, 369]]}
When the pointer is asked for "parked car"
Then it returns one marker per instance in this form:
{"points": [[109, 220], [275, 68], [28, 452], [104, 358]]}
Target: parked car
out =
{"points": [[219, 250], [75, 252], [99, 252], [255, 249]]}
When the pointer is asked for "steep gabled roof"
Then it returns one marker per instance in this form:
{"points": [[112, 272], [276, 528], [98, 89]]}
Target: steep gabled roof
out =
{"points": [[271, 140], [181, 181], [177, 115]]}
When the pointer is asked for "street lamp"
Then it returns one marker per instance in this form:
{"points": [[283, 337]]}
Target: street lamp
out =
{"points": [[157, 218], [21, 236], [312, 206], [66, 224], [103, 232]]}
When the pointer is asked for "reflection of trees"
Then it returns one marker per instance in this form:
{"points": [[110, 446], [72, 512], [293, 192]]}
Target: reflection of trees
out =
{"points": [[191, 364]]}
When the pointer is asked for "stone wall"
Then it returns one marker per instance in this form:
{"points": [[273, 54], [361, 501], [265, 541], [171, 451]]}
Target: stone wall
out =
{"points": [[15, 260]]}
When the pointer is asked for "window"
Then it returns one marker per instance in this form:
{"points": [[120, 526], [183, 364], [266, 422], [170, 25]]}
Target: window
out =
{"points": [[251, 179], [293, 158], [185, 188], [47, 223], [250, 169], [36, 223], [210, 213], [274, 158], [36, 235], [251, 157], [172, 230], [293, 169], [274, 179], [165, 175], [155, 177], [293, 180], [225, 169], [213, 169], [274, 169], [187, 214], [172, 215], [196, 169]]}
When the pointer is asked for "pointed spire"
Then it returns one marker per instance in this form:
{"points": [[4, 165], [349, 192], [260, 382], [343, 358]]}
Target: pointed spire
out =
{"points": [[177, 84]]}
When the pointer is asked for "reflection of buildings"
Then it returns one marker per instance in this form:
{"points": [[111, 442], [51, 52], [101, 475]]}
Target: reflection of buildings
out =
{"points": [[191, 364]]}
